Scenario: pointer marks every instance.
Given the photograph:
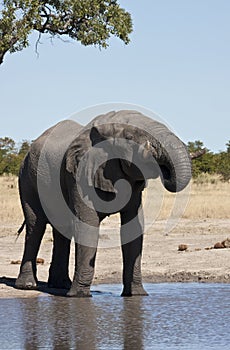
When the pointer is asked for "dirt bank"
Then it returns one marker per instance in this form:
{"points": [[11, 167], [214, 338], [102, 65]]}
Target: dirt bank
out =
{"points": [[162, 262]]}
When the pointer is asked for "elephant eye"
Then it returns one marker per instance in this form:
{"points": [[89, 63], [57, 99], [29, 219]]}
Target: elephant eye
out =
{"points": [[128, 136]]}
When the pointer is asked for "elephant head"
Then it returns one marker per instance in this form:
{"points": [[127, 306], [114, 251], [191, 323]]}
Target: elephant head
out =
{"points": [[145, 147]]}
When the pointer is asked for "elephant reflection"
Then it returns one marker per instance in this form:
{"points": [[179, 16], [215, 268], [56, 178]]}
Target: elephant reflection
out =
{"points": [[54, 323], [57, 322]]}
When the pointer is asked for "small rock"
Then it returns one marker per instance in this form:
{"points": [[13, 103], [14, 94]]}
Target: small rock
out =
{"points": [[182, 247], [197, 249], [219, 245], [16, 262], [40, 261], [226, 243]]}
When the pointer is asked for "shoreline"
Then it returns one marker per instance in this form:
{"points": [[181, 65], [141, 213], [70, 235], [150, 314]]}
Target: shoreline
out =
{"points": [[8, 291], [177, 277]]}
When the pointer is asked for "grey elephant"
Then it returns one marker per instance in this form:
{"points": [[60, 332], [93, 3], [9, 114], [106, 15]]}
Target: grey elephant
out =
{"points": [[73, 177]]}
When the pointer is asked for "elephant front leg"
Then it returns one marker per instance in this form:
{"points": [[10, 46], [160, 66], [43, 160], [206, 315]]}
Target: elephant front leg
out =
{"points": [[84, 271], [132, 243], [132, 279]]}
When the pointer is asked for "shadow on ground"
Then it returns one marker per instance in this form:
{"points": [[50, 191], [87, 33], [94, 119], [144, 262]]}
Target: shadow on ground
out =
{"points": [[42, 286]]}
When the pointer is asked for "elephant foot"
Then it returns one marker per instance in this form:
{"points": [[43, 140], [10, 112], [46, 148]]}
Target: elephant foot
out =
{"points": [[64, 283], [78, 294], [134, 289], [139, 290], [25, 281], [82, 292]]}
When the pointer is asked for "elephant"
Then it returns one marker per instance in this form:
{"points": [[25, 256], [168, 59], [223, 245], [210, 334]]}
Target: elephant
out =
{"points": [[74, 176]]}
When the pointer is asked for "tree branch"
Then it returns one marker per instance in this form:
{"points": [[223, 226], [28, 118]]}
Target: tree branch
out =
{"points": [[2, 54], [198, 154], [37, 43]]}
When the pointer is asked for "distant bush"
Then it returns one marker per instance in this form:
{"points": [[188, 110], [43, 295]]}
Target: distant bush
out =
{"points": [[210, 163], [11, 156], [223, 165]]}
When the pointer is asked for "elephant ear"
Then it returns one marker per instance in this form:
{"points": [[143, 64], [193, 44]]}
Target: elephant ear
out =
{"points": [[96, 158], [76, 151], [86, 160]]}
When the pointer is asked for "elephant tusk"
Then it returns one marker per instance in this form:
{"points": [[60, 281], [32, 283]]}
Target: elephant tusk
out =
{"points": [[148, 145]]}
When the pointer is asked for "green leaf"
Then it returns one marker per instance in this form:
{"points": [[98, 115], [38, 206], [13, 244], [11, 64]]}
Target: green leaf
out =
{"points": [[91, 22]]}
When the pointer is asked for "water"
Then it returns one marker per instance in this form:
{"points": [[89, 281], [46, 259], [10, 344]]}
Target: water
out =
{"points": [[173, 316]]}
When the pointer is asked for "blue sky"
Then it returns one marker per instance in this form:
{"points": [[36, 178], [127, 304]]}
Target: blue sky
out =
{"points": [[177, 64]]}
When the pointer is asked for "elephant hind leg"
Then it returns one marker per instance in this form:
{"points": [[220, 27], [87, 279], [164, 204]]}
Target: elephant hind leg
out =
{"points": [[35, 228], [59, 268]]}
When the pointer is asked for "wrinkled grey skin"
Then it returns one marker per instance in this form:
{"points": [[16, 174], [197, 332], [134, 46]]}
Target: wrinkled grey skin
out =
{"points": [[155, 148]]}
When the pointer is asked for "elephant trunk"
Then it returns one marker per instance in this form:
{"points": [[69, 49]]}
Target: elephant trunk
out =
{"points": [[174, 162]]}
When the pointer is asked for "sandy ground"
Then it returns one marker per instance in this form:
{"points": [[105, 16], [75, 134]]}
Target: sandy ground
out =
{"points": [[162, 262]]}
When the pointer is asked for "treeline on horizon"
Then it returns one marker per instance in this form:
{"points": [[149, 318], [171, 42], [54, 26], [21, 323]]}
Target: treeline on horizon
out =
{"points": [[12, 154]]}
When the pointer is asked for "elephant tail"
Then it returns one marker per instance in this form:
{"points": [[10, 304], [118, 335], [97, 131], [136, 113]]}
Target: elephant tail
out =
{"points": [[21, 229]]}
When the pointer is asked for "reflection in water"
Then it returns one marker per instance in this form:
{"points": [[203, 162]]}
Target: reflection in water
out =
{"points": [[133, 323], [174, 316], [58, 323]]}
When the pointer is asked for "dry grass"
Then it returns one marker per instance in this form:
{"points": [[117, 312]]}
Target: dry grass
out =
{"points": [[209, 201], [10, 210], [208, 198]]}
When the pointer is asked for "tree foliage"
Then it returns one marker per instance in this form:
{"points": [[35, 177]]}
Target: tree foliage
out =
{"points": [[210, 163], [223, 163], [204, 164], [11, 156], [91, 22]]}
